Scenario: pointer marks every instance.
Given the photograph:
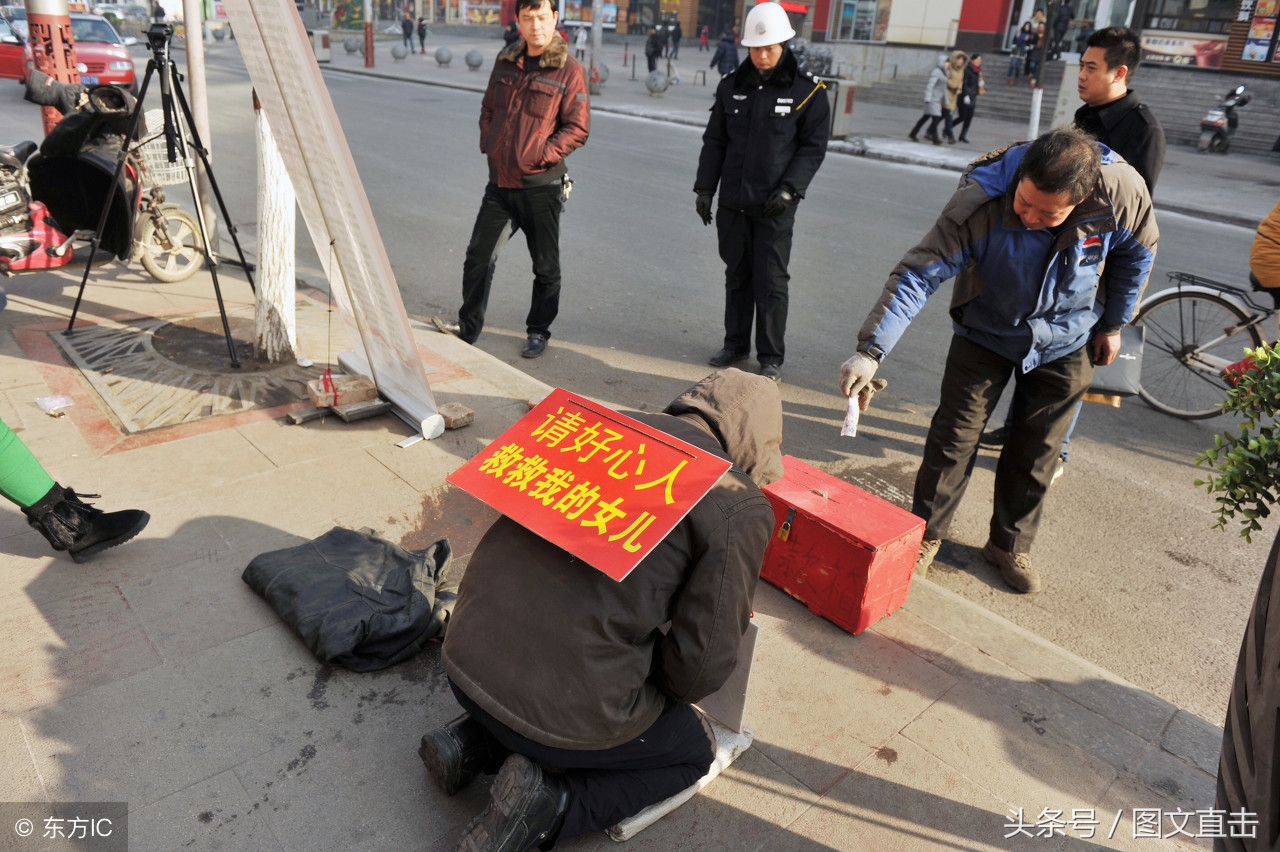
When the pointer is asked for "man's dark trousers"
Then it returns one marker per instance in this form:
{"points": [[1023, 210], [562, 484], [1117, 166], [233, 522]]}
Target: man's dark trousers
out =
{"points": [[1043, 401], [756, 251], [610, 785], [536, 211]]}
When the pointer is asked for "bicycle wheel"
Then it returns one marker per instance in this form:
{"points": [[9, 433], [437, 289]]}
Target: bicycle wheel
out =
{"points": [[176, 253], [1191, 339]]}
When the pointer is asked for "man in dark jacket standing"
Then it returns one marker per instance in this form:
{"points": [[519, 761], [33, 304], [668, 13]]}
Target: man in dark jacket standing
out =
{"points": [[764, 142], [1112, 112], [535, 112], [653, 47], [558, 665], [972, 87]]}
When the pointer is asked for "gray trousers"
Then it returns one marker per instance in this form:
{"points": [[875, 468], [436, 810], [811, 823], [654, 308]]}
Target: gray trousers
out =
{"points": [[1043, 400]]}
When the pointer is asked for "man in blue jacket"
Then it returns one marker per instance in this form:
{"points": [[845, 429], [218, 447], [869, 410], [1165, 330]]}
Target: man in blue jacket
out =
{"points": [[1026, 235]]}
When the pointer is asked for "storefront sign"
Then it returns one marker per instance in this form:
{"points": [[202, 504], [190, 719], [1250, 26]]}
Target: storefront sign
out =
{"points": [[602, 486], [1172, 48]]}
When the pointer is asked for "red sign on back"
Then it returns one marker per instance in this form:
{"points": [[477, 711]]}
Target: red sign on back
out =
{"points": [[602, 486]]}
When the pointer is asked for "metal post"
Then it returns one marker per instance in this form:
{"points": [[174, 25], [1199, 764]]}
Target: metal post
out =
{"points": [[368, 33], [193, 16]]}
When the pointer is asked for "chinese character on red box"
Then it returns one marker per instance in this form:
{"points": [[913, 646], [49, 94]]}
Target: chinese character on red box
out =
{"points": [[844, 553], [597, 483]]}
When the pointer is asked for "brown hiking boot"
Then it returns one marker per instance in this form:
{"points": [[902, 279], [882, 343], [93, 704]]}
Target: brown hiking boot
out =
{"points": [[1015, 569], [928, 550]]}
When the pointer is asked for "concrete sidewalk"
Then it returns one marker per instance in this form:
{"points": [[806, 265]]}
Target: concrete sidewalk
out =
{"points": [[153, 676]]}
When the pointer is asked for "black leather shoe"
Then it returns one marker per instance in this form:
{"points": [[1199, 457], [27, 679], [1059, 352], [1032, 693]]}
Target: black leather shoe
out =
{"points": [[459, 751], [526, 809], [772, 372], [447, 326], [727, 356], [534, 346]]}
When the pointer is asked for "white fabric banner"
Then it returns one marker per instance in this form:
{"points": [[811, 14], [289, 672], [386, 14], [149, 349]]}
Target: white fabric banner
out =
{"points": [[286, 77]]}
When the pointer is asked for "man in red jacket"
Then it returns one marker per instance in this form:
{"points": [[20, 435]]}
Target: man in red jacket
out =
{"points": [[535, 112]]}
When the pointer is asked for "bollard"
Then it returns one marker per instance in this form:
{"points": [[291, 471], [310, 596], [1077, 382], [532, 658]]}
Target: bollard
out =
{"points": [[351, 44], [444, 56], [633, 68], [399, 52], [657, 82], [474, 59]]}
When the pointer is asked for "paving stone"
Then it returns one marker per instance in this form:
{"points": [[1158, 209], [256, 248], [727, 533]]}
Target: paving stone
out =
{"points": [[1181, 781], [210, 816], [915, 634], [1120, 801], [857, 692], [903, 797], [1045, 708], [19, 782], [1002, 752], [1192, 738], [1133, 708]]}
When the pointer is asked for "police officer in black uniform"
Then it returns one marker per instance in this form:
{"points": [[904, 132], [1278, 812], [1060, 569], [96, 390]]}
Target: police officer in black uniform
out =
{"points": [[763, 144]]}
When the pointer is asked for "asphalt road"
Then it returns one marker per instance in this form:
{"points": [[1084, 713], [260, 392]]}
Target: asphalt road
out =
{"points": [[1136, 579]]}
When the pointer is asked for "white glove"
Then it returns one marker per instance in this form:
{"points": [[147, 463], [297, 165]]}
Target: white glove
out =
{"points": [[856, 373]]}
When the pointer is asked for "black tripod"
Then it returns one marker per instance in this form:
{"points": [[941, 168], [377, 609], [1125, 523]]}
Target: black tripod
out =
{"points": [[176, 144]]}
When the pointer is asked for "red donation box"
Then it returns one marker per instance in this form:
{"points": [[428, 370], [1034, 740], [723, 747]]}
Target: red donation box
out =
{"points": [[844, 553]]}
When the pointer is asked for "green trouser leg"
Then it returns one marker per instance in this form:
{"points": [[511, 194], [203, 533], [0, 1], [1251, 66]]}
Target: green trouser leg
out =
{"points": [[22, 479]]}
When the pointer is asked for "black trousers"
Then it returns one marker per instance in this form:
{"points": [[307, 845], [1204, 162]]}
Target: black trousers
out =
{"points": [[1043, 402], [756, 251], [607, 786], [964, 116], [536, 211]]}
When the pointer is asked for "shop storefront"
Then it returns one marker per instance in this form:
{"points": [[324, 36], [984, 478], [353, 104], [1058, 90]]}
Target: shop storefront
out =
{"points": [[1190, 33], [1253, 43]]}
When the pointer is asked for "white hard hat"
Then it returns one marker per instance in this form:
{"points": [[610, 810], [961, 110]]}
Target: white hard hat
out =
{"points": [[766, 24]]}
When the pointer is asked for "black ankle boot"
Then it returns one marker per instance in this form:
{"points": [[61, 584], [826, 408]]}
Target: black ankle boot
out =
{"points": [[455, 754], [72, 525], [526, 810]]}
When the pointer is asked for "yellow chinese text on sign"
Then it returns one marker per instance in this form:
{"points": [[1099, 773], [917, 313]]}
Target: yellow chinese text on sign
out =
{"points": [[602, 486]]}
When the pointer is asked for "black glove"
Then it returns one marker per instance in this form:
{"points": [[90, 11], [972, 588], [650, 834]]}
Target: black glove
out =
{"points": [[704, 207], [778, 202]]}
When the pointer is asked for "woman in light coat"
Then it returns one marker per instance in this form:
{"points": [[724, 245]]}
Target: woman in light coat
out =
{"points": [[934, 92]]}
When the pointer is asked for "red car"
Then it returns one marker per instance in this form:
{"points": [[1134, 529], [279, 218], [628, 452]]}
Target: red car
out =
{"points": [[101, 55]]}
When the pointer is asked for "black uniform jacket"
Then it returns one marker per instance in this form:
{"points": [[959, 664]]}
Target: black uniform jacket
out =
{"points": [[1127, 127], [764, 134]]}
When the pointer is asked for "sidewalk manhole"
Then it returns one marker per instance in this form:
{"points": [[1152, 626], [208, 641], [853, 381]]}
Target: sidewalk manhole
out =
{"points": [[157, 373]]}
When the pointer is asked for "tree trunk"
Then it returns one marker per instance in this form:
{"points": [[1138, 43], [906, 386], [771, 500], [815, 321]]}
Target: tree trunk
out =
{"points": [[275, 321]]}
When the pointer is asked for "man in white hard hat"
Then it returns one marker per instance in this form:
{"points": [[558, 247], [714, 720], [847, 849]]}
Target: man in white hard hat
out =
{"points": [[763, 144]]}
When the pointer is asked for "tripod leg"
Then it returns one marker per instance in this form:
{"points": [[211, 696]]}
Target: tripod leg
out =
{"points": [[111, 193], [217, 194]]}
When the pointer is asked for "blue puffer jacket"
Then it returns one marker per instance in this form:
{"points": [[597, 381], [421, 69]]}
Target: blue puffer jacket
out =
{"points": [[1029, 296]]}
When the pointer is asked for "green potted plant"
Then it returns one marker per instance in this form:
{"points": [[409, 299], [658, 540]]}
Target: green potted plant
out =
{"points": [[1245, 479]]}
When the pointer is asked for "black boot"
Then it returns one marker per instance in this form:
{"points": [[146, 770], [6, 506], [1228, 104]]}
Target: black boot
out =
{"points": [[459, 751], [526, 809], [72, 525]]}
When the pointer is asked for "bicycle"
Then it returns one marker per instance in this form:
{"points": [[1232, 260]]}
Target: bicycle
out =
{"points": [[1195, 330]]}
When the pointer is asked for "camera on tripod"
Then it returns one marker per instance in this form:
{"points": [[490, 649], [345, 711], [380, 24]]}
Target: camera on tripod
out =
{"points": [[158, 35]]}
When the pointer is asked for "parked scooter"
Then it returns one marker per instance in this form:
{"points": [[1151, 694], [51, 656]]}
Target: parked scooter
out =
{"points": [[1217, 128], [52, 195]]}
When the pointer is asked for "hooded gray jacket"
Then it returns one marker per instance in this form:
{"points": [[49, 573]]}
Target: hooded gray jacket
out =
{"points": [[567, 657]]}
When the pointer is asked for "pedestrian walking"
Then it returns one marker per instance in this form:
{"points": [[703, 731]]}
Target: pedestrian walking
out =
{"points": [[972, 87], [557, 665], [580, 44], [1033, 55], [955, 82], [935, 91], [422, 35], [1061, 23], [534, 113], [157, 12], [764, 142], [704, 38], [1026, 235], [653, 47], [511, 34], [677, 33], [725, 59], [406, 30], [1018, 54]]}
